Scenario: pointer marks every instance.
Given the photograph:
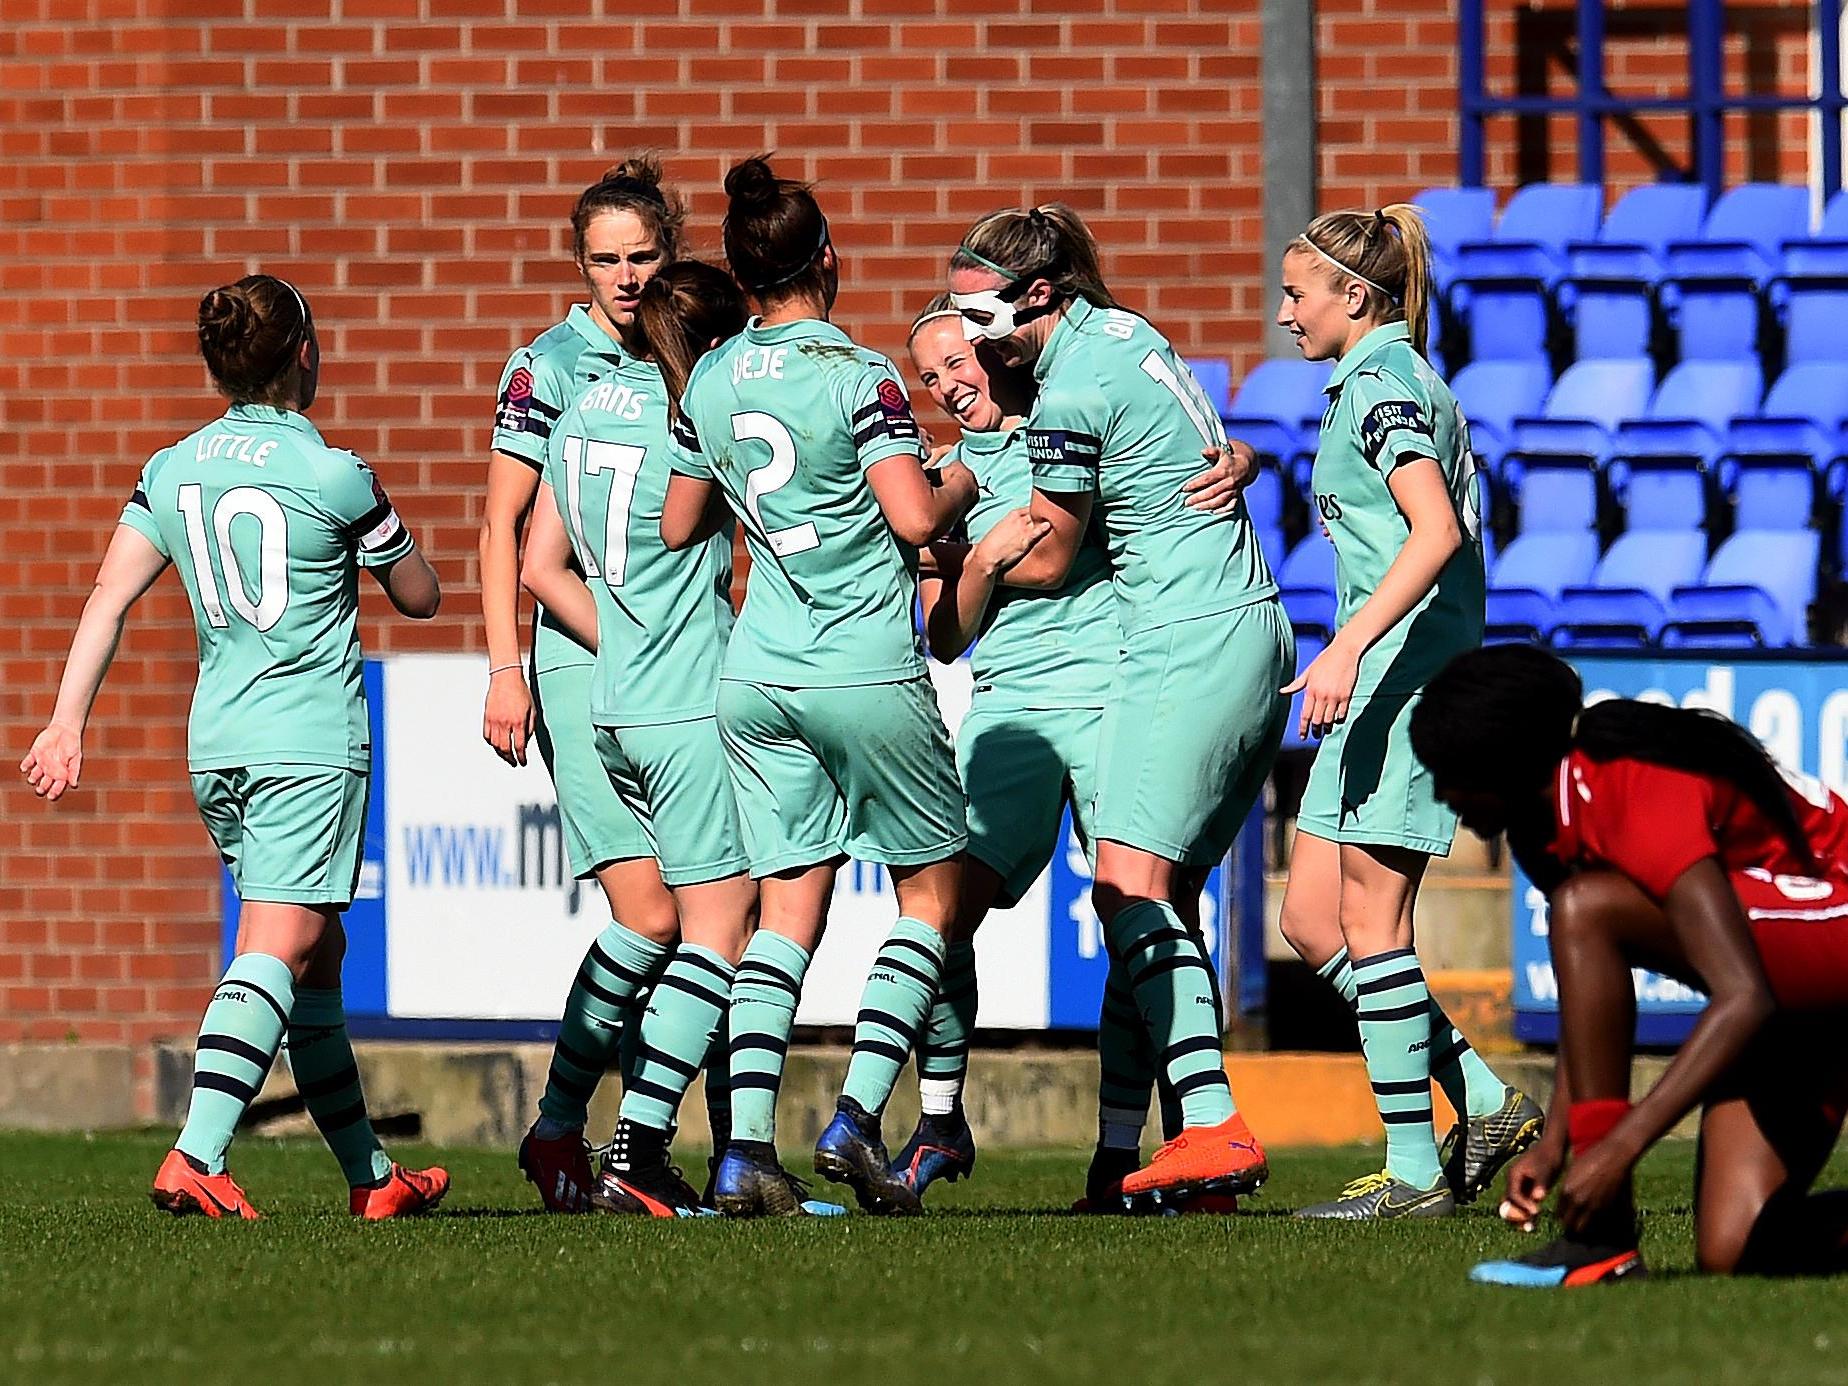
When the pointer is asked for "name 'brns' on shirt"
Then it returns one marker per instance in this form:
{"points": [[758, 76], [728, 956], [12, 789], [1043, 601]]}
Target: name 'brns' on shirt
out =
{"points": [[268, 527], [1119, 413], [787, 420], [662, 618]]}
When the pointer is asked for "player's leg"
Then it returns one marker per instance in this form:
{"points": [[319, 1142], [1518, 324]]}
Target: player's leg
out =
{"points": [[682, 791], [793, 819], [1763, 1140], [886, 746], [603, 838], [288, 906], [1193, 725]]}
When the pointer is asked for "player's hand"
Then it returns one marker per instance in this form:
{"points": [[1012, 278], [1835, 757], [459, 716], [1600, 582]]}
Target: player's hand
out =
{"points": [[1012, 539], [938, 451], [507, 719], [1227, 475], [1327, 686], [55, 761], [1593, 1183], [1530, 1179]]}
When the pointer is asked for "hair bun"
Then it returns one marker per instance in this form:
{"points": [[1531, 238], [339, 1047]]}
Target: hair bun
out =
{"points": [[227, 319], [638, 168], [751, 185]]}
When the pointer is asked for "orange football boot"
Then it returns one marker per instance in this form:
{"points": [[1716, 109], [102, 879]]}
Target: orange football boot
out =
{"points": [[1225, 1159], [404, 1192], [181, 1187]]}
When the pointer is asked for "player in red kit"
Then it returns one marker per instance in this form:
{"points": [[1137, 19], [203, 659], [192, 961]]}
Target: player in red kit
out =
{"points": [[1665, 838]]}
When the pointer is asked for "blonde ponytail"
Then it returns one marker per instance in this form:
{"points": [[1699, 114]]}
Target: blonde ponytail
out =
{"points": [[1389, 251]]}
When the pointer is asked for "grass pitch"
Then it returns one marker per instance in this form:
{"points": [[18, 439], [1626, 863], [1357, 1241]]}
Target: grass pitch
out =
{"points": [[96, 1286]]}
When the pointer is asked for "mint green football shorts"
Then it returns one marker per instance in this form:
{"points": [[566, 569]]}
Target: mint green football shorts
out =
{"points": [[599, 827], [1366, 786], [1020, 767], [290, 834], [674, 779], [865, 771], [1191, 731]]}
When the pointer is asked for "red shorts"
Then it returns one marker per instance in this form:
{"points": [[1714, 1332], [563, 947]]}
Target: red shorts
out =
{"points": [[1801, 927]]}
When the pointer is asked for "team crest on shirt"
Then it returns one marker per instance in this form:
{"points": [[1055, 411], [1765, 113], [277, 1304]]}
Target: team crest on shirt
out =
{"points": [[516, 401], [892, 400]]}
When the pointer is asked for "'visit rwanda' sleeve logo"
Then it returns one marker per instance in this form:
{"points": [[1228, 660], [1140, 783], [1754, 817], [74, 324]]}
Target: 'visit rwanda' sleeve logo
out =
{"points": [[1394, 416]]}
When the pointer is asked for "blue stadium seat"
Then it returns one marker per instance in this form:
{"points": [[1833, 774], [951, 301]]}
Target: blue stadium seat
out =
{"points": [[1271, 403], [1659, 462], [1627, 600], [1264, 497], [1453, 216], [1714, 285], [1271, 545], [1608, 293], [1493, 395], [1503, 287], [1811, 299], [1524, 593], [1756, 591], [1215, 376], [1571, 438], [1307, 584], [1775, 456]]}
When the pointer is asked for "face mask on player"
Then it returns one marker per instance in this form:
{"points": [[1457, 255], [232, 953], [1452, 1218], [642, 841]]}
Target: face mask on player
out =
{"points": [[986, 316]]}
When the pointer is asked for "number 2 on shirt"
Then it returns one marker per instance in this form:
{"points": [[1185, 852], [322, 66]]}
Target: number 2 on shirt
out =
{"points": [[773, 476]]}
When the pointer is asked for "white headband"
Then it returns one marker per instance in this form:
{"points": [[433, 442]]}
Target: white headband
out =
{"points": [[932, 317], [301, 306], [1352, 273]]}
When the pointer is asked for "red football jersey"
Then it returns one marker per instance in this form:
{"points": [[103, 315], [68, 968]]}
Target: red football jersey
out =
{"points": [[1652, 823]]}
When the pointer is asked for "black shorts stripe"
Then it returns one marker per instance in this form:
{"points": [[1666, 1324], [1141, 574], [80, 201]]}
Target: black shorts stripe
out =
{"points": [[217, 1082], [350, 1115], [348, 1077], [237, 1048], [1417, 1008]]}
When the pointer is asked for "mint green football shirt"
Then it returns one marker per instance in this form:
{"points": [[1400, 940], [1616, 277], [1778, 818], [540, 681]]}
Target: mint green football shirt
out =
{"points": [[662, 618], [1387, 407], [1038, 649], [1119, 413], [269, 527], [786, 420], [537, 383]]}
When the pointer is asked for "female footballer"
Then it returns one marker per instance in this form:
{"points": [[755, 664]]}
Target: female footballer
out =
{"points": [[269, 528], [1194, 716], [1395, 489], [828, 717], [1665, 838], [1027, 748], [624, 228]]}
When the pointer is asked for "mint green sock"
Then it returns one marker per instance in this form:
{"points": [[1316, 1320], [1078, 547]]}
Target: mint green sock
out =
{"points": [[238, 1040], [765, 992], [1474, 1089], [1175, 993], [943, 1053], [898, 995], [618, 964], [675, 1033], [321, 1059], [1395, 1036]]}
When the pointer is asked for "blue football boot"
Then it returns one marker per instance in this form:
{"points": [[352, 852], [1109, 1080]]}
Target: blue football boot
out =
{"points": [[942, 1147], [1564, 1263], [751, 1183], [851, 1153]]}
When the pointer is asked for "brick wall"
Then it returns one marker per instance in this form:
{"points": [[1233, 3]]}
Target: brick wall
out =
{"points": [[409, 163]]}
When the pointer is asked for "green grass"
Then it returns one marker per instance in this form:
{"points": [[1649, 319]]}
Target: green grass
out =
{"points": [[96, 1286]]}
